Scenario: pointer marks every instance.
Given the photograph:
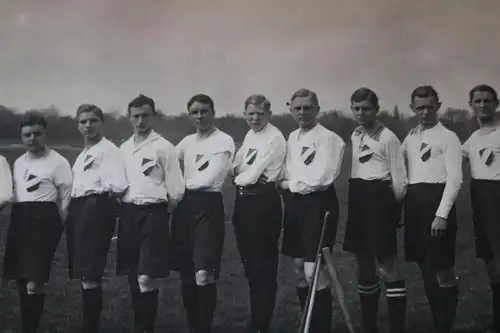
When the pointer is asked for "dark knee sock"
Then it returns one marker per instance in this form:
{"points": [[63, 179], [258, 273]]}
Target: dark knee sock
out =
{"points": [[190, 300], [431, 287], [92, 306], [495, 294], [147, 306], [302, 293], [447, 305], [369, 294], [207, 301], [396, 304], [321, 321], [32, 306]]}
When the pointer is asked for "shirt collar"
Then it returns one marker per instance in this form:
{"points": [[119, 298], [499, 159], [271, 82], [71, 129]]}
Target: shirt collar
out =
{"points": [[153, 136], [375, 134]]}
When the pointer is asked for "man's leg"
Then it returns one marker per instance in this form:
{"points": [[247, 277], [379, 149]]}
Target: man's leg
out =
{"points": [[206, 300], [447, 299], [92, 305], [190, 299], [369, 291], [321, 320], [32, 304], [145, 299], [493, 268], [431, 287], [395, 289]]}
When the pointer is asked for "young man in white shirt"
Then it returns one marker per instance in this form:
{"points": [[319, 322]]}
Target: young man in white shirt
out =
{"points": [[198, 223], [376, 190], [434, 165], [482, 151], [42, 189], [257, 209], [313, 162], [98, 180], [155, 188]]}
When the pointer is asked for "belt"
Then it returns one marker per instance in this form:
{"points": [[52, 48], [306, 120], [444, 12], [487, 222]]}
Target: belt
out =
{"points": [[255, 189]]}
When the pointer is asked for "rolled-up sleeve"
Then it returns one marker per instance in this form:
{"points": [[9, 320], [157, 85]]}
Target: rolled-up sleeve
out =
{"points": [[453, 166], [6, 193]]}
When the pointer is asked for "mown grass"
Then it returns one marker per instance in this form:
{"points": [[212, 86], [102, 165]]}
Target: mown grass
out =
{"points": [[63, 306]]}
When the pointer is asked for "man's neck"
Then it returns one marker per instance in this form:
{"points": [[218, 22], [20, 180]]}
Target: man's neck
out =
{"points": [[428, 126], [206, 133], [308, 128], [38, 153], [371, 127], [93, 141], [141, 137], [488, 122]]}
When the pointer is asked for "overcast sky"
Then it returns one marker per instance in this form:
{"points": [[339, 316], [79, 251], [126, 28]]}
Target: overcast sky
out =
{"points": [[67, 52]]}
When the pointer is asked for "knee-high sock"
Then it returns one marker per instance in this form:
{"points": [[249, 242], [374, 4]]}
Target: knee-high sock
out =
{"points": [[262, 302], [190, 301], [447, 305], [369, 294], [431, 287], [321, 321], [207, 301], [147, 306], [396, 303], [495, 294], [302, 293], [32, 306], [92, 306]]}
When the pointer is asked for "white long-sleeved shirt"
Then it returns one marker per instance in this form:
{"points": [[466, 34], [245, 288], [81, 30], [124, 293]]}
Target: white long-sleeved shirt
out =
{"points": [[6, 194], [262, 153], [207, 160], [43, 179], [434, 156], [99, 169], [379, 156], [153, 171], [313, 159], [483, 153]]}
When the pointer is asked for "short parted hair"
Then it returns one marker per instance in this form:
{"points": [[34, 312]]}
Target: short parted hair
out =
{"points": [[258, 100], [32, 118], [483, 88], [202, 99], [141, 100], [303, 92], [424, 92], [365, 94], [90, 108]]}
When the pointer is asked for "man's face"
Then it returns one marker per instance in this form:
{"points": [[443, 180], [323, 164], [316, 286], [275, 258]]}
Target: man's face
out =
{"points": [[141, 118], [201, 115], [33, 137], [256, 117], [426, 109], [364, 113], [90, 125], [484, 105], [304, 111]]}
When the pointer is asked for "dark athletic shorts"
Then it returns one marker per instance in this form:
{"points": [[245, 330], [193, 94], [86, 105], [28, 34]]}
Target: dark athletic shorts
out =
{"points": [[34, 232], [303, 222], [90, 227], [373, 218], [143, 238], [420, 206], [197, 233], [485, 200]]}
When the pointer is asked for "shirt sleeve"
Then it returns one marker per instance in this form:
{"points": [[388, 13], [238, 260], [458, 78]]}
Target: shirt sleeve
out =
{"points": [[453, 166], [174, 180], [397, 167], [285, 170], [466, 148], [115, 178], [6, 193], [275, 150], [63, 180], [324, 169]]}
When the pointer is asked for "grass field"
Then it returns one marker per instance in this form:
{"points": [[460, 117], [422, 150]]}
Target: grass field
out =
{"points": [[62, 312]]}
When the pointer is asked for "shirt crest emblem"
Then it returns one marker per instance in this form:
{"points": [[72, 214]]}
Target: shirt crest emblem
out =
{"points": [[88, 162], [308, 154], [32, 182], [147, 165], [201, 162], [486, 156], [251, 156], [425, 151], [365, 154]]}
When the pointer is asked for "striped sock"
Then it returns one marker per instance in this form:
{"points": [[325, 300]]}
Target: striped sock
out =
{"points": [[369, 293], [396, 303]]}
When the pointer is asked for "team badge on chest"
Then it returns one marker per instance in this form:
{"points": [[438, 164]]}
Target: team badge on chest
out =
{"points": [[88, 162], [486, 156], [365, 154], [251, 156], [147, 166], [201, 162], [425, 151], [32, 182], [307, 155]]}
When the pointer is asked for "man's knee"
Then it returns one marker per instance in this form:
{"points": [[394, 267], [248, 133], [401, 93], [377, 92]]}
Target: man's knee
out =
{"points": [[367, 269], [446, 277], [203, 277], [298, 265], [33, 287], [323, 280], [389, 269], [90, 284], [493, 268], [145, 282]]}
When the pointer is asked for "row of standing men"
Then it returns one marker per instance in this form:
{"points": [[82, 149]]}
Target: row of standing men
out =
{"points": [[143, 183]]}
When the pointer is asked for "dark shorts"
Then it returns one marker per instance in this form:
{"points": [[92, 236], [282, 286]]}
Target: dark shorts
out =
{"points": [[34, 232], [420, 206], [303, 222], [485, 195], [257, 226], [197, 233], [143, 237], [90, 227], [373, 217]]}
